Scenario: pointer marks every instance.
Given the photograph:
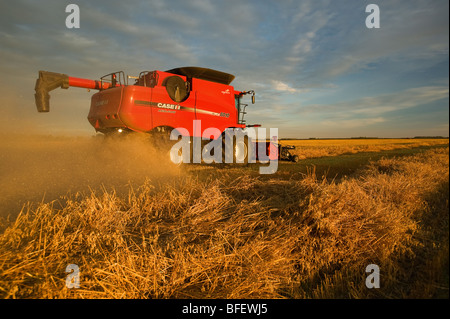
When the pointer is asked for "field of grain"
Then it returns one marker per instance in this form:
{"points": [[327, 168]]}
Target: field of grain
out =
{"points": [[139, 228], [334, 147]]}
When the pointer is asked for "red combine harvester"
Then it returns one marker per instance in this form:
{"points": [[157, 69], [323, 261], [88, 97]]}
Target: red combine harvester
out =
{"points": [[158, 102]]}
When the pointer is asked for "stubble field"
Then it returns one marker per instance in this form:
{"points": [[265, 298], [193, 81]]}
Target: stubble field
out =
{"points": [[138, 227]]}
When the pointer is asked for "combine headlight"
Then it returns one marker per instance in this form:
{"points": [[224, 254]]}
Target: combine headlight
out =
{"points": [[120, 130]]}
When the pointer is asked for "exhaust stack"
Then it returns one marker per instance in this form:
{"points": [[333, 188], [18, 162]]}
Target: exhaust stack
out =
{"points": [[46, 82]]}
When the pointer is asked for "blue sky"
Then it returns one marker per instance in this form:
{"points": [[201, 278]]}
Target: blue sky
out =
{"points": [[316, 68]]}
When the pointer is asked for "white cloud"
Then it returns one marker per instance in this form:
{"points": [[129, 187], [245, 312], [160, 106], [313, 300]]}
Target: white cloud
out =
{"points": [[399, 100], [74, 40], [418, 31], [284, 87], [379, 105], [352, 123]]}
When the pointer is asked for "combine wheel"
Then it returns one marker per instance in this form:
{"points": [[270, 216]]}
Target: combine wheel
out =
{"points": [[161, 140], [240, 148]]}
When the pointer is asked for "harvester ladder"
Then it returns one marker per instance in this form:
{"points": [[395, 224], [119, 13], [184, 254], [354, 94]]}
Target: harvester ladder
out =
{"points": [[242, 113]]}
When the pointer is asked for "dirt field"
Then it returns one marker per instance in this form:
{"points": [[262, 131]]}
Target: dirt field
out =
{"points": [[44, 168], [139, 227]]}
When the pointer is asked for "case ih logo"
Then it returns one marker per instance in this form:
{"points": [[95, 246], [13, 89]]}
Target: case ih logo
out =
{"points": [[168, 106], [227, 91]]}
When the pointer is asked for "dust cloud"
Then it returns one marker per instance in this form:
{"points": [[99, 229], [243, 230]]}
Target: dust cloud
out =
{"points": [[36, 169]]}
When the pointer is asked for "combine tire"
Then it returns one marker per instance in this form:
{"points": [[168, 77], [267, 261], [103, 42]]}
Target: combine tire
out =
{"points": [[240, 149], [160, 138]]}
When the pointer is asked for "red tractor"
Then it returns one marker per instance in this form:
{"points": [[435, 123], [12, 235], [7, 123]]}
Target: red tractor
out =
{"points": [[158, 102]]}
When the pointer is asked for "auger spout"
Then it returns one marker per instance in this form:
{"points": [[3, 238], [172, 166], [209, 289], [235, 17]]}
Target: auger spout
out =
{"points": [[48, 81]]}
